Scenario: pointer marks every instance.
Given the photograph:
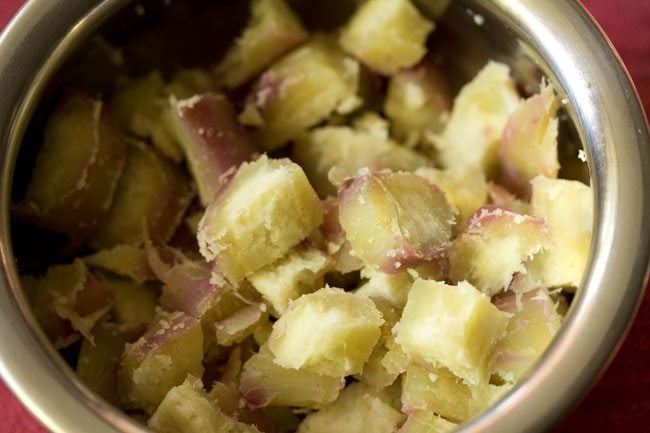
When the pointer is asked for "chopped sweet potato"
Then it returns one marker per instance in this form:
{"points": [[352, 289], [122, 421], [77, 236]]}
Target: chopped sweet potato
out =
{"points": [[300, 272], [395, 220], [300, 91], [125, 260], [451, 326], [160, 360], [272, 31], [567, 206], [529, 142], [478, 117], [417, 102], [99, 360], [213, 142], [533, 325], [77, 168], [187, 408], [67, 300], [268, 207], [263, 382], [150, 201], [387, 35], [350, 149], [495, 245], [329, 332], [359, 409]]}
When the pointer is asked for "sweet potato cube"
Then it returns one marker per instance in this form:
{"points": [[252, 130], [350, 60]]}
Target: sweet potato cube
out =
{"points": [[375, 373], [533, 325], [125, 260], [150, 201], [301, 90], [466, 189], [67, 300], [359, 409], [329, 332], [567, 207], [417, 102], [213, 141], [143, 107], [187, 409], [228, 399], [439, 391], [529, 143], [161, 359], [451, 326], [494, 246], [240, 325], [187, 284], [273, 30], [387, 35], [350, 149], [134, 303], [268, 207], [391, 288], [477, 120], [424, 421], [395, 220], [264, 383], [99, 361], [77, 168], [300, 272]]}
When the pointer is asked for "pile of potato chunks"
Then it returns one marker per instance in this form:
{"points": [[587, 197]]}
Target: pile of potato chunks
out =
{"points": [[400, 271]]}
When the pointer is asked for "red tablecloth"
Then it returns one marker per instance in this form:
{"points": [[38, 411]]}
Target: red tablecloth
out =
{"points": [[620, 402]]}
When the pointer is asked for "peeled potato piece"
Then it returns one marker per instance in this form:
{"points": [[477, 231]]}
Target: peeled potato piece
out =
{"points": [[424, 421], [161, 359], [150, 201], [478, 117], [329, 332], [375, 372], [99, 361], [533, 325], [417, 102], [301, 90], [300, 272], [359, 409], [77, 169], [268, 207], [395, 220], [67, 300], [529, 143], [439, 391], [567, 206], [494, 246], [386, 35], [235, 328], [273, 30], [125, 260], [350, 149], [451, 326], [187, 409], [263, 382]]}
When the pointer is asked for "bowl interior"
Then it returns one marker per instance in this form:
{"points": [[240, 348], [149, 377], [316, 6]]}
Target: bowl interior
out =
{"points": [[168, 35]]}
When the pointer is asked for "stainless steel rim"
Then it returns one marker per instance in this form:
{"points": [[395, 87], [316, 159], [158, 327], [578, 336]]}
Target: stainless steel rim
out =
{"points": [[610, 121]]}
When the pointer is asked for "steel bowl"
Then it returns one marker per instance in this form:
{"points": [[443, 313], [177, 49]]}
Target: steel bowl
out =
{"points": [[556, 37]]}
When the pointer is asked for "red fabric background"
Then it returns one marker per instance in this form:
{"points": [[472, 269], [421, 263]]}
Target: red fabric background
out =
{"points": [[620, 402]]}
